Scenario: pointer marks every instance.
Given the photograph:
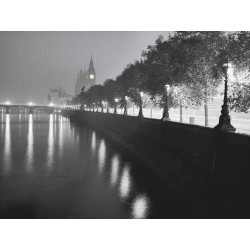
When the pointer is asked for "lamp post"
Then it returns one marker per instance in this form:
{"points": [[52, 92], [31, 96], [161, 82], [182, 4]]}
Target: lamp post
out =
{"points": [[116, 100], [165, 115], [107, 107], [177, 95], [125, 106], [140, 110], [102, 106], [225, 120]]}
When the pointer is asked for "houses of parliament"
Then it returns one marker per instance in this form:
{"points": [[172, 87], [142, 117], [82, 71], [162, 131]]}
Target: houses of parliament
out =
{"points": [[85, 79]]}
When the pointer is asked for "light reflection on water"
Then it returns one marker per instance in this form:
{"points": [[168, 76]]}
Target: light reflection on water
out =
{"points": [[50, 153], [125, 183], [68, 191], [140, 207], [7, 146], [93, 142], [60, 138], [101, 156], [114, 169], [30, 147]]}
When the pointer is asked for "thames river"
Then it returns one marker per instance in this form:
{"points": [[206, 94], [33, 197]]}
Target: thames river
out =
{"points": [[51, 168]]}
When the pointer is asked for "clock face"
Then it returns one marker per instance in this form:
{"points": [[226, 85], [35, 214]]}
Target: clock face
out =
{"points": [[91, 76]]}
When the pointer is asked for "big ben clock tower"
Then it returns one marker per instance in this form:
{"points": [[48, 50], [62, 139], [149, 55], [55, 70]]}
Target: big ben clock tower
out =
{"points": [[91, 73]]}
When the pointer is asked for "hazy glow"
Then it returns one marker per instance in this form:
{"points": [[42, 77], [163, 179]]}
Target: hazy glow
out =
{"points": [[93, 142], [51, 104], [30, 149], [30, 103], [50, 153], [101, 155], [140, 207], [7, 103], [7, 145], [125, 184], [114, 169]]}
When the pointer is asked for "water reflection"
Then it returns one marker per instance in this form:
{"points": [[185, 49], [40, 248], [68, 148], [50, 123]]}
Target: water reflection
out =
{"points": [[50, 153], [67, 190], [140, 207], [93, 142], [60, 138], [101, 156], [114, 169], [125, 183], [30, 148], [7, 145]]}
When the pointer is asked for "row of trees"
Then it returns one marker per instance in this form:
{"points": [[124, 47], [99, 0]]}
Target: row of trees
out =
{"points": [[190, 63]]}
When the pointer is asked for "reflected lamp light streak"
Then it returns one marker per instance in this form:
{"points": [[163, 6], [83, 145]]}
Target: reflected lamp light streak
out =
{"points": [[7, 146], [60, 139], [114, 169], [93, 142], [125, 183], [50, 153], [30, 148], [140, 207], [101, 155]]}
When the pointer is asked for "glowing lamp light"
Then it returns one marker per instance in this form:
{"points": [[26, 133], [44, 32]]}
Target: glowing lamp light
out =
{"points": [[167, 87], [7, 103], [30, 103], [51, 104]]}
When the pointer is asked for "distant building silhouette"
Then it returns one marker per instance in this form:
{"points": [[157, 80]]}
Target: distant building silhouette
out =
{"points": [[58, 96], [86, 78]]}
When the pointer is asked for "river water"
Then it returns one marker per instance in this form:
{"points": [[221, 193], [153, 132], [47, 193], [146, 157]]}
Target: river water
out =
{"points": [[51, 168]]}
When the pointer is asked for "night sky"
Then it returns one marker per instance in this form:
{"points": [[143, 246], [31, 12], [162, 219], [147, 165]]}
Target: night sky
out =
{"points": [[32, 62]]}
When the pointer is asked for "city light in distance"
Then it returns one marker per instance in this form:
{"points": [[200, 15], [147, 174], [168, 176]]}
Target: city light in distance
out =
{"points": [[7, 103]]}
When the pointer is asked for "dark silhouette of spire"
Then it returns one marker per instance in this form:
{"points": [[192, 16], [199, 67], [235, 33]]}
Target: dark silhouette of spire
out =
{"points": [[91, 65]]}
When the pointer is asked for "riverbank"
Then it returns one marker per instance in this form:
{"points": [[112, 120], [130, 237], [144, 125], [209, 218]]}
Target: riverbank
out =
{"points": [[191, 160]]}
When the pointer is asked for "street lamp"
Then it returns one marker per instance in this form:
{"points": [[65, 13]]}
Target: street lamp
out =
{"points": [[116, 100], [165, 115], [140, 110], [225, 120], [125, 106]]}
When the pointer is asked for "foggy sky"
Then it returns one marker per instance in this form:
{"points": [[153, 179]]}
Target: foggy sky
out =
{"points": [[32, 62]]}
